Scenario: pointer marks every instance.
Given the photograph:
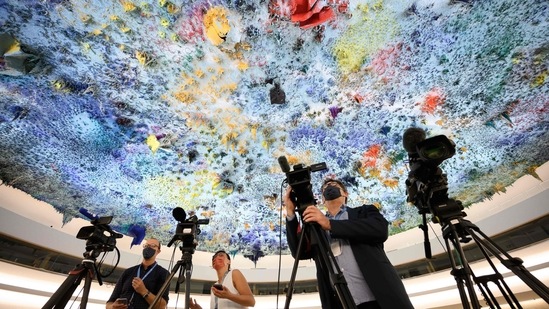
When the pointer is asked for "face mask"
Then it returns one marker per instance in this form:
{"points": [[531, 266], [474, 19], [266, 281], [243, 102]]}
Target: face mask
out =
{"points": [[148, 253], [331, 193]]}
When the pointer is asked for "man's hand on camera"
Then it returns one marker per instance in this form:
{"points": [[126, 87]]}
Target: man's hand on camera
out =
{"points": [[313, 214], [287, 201]]}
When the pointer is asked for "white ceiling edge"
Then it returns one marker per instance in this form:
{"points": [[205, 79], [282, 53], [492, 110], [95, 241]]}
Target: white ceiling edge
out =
{"points": [[33, 221], [525, 200]]}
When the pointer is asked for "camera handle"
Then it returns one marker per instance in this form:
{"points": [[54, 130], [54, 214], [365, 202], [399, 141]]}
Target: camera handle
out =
{"points": [[426, 243]]}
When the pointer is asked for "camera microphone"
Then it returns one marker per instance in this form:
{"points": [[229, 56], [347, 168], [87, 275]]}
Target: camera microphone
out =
{"points": [[179, 214], [88, 215], [284, 165], [410, 139]]}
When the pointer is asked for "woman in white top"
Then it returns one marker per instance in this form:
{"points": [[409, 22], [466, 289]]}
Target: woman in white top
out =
{"points": [[231, 289]]}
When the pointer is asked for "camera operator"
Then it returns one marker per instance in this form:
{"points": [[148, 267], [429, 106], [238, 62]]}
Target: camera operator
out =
{"points": [[356, 237], [138, 285]]}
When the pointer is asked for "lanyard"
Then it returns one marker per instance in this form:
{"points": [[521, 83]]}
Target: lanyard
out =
{"points": [[145, 276], [216, 299], [147, 273]]}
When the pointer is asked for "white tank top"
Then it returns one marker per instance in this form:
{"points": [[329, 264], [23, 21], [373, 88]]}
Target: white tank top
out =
{"points": [[223, 303]]}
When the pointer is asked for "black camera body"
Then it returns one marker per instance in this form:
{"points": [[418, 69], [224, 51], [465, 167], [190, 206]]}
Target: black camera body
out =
{"points": [[187, 229], [427, 185], [300, 181], [99, 237]]}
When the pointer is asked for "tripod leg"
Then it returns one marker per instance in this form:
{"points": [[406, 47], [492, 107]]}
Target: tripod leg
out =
{"points": [[507, 294], [294, 268], [166, 284], [329, 263], [188, 271], [87, 285], [488, 296], [179, 280], [462, 275], [60, 298], [513, 264], [497, 279], [483, 284]]}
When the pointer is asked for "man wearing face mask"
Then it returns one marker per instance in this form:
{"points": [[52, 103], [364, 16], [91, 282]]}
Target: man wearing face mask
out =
{"points": [[356, 237], [138, 285]]}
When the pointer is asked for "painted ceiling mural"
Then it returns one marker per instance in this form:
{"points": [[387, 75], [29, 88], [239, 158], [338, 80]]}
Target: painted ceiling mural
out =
{"points": [[133, 108]]}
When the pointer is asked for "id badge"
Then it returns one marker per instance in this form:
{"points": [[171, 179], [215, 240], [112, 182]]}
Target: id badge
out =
{"points": [[335, 245]]}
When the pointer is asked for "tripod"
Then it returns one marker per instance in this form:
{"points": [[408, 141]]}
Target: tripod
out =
{"points": [[462, 231], [327, 262], [87, 269], [184, 264]]}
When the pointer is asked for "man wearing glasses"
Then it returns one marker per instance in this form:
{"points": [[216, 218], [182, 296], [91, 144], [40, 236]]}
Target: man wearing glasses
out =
{"points": [[138, 285]]}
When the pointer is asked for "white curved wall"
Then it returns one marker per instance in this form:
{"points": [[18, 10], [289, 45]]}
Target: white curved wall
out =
{"points": [[25, 218]]}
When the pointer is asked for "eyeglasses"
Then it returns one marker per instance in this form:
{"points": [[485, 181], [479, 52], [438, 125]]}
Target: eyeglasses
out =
{"points": [[330, 184], [145, 246]]}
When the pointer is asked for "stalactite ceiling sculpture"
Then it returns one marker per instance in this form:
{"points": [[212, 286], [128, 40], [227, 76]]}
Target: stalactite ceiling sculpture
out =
{"points": [[132, 108]]}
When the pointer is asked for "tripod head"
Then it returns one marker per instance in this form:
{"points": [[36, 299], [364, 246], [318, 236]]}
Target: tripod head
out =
{"points": [[300, 181], [187, 229]]}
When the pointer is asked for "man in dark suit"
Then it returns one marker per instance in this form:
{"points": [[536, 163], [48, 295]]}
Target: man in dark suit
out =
{"points": [[356, 237]]}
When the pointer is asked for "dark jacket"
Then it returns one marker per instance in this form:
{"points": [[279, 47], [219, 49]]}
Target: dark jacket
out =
{"points": [[152, 281], [366, 229]]}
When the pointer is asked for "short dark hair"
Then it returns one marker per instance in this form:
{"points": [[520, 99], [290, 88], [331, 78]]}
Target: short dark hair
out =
{"points": [[339, 182], [159, 243], [221, 251]]}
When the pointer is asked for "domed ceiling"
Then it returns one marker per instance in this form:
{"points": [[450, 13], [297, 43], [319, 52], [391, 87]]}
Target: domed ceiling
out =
{"points": [[133, 108]]}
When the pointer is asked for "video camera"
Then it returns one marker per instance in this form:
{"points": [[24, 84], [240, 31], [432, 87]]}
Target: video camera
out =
{"points": [[187, 229], [427, 185], [300, 181], [99, 236]]}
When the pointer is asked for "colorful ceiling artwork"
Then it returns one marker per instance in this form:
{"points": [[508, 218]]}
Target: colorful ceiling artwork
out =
{"points": [[133, 108]]}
